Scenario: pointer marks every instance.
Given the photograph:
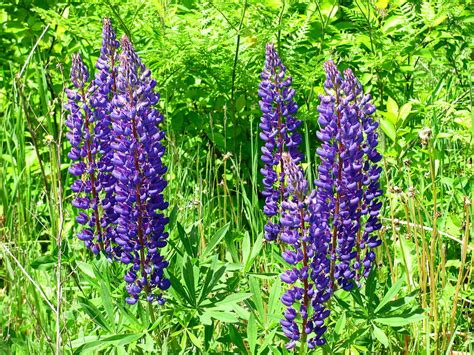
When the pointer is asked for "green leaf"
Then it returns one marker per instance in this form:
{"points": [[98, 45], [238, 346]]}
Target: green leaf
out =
{"points": [[94, 313], [257, 247], [45, 262], [392, 106], [215, 240], [86, 269], [107, 302], [257, 297], [237, 339], [223, 316], [232, 299], [111, 341], [400, 321], [340, 324], [188, 274], [195, 340], [388, 128], [252, 333], [380, 335], [185, 240], [240, 103], [404, 111], [391, 293], [176, 286], [274, 304], [268, 339]]}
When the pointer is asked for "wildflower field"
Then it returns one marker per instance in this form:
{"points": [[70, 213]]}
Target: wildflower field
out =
{"points": [[236, 177]]}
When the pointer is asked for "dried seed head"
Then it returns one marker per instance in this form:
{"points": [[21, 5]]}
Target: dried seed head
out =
{"points": [[425, 135]]}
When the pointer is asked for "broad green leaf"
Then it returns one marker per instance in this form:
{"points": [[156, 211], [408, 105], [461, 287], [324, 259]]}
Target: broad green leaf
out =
{"points": [[388, 128], [240, 103], [404, 111], [274, 304], [86, 269], [392, 106], [256, 248], [45, 262], [237, 339], [185, 240], [176, 286], [188, 275], [267, 340]]}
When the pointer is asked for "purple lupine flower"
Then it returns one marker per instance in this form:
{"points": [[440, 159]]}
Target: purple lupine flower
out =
{"points": [[139, 173], [90, 128], [294, 234], [346, 205], [102, 91], [80, 122], [278, 131], [329, 232], [306, 297]]}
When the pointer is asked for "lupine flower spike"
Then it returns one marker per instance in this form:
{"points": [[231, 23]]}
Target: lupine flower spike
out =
{"points": [[83, 152], [117, 148], [102, 91], [89, 134], [139, 170], [278, 131], [348, 188], [329, 232]]}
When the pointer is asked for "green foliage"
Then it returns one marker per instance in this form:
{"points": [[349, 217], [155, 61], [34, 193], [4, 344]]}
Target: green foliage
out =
{"points": [[414, 56]]}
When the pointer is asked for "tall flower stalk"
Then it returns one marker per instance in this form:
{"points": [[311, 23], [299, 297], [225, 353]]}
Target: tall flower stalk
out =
{"points": [[139, 170], [329, 232], [89, 135], [116, 139], [279, 132]]}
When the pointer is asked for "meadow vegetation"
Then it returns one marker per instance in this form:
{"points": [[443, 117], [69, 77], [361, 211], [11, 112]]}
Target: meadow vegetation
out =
{"points": [[414, 57]]}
